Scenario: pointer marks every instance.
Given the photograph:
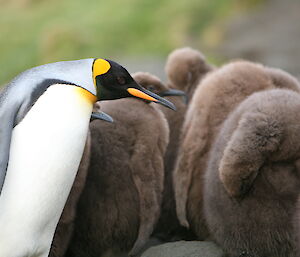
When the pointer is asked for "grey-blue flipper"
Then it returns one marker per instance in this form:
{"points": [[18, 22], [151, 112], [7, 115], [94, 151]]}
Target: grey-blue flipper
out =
{"points": [[9, 108], [6, 127]]}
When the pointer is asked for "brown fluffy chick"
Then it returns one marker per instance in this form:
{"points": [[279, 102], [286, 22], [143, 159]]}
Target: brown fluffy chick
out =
{"points": [[121, 199], [218, 94], [168, 223], [253, 177], [185, 67]]}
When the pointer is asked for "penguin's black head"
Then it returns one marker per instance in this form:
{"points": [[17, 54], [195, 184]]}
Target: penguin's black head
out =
{"points": [[113, 82]]}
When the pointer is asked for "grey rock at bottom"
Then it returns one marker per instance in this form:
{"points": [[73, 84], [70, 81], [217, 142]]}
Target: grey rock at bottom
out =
{"points": [[185, 249]]}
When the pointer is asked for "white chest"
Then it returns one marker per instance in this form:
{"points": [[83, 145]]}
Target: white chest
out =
{"points": [[46, 149]]}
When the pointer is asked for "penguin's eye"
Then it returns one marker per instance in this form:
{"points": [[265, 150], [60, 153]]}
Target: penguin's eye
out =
{"points": [[121, 80], [151, 88]]}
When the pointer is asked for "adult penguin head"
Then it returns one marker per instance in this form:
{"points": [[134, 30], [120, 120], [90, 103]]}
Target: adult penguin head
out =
{"points": [[113, 81]]}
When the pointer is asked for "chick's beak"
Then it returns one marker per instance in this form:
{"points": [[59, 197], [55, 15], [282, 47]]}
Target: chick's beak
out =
{"points": [[172, 92], [175, 92], [141, 92], [101, 116]]}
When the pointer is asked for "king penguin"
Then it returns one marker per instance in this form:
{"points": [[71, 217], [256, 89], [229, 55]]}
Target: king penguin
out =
{"points": [[45, 113]]}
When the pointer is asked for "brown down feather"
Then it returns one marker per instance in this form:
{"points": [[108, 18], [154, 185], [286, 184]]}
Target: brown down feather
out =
{"points": [[253, 177]]}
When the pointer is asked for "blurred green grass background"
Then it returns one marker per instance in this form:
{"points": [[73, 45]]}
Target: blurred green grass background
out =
{"points": [[34, 32]]}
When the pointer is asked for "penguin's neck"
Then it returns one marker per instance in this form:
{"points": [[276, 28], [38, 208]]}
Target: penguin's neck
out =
{"points": [[45, 153]]}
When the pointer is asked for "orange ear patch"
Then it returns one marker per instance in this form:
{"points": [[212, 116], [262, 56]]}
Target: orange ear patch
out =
{"points": [[140, 94], [100, 66]]}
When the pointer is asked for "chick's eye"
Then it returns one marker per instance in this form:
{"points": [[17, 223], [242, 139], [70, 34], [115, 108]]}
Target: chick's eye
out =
{"points": [[151, 88], [121, 80]]}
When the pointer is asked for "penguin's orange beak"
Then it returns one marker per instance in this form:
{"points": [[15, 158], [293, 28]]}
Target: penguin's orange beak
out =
{"points": [[142, 93]]}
